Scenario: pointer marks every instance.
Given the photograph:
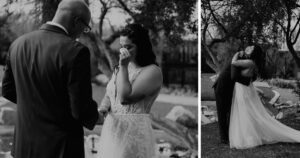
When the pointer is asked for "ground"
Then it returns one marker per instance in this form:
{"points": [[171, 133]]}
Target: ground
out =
{"points": [[159, 109], [212, 148]]}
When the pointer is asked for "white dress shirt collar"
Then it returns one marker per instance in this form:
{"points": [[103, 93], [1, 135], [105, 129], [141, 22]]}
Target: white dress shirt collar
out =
{"points": [[58, 25]]}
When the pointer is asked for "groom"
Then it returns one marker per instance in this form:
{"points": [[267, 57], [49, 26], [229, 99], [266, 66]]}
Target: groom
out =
{"points": [[223, 88], [48, 76]]}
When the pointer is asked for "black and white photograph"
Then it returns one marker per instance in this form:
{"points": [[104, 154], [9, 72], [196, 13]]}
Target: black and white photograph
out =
{"points": [[250, 78], [101, 79]]}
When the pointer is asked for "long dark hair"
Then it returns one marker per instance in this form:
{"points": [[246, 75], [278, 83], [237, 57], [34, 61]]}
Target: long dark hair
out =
{"points": [[140, 37], [258, 57]]}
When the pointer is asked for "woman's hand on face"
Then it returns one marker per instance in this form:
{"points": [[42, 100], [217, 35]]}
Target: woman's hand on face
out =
{"points": [[124, 57]]}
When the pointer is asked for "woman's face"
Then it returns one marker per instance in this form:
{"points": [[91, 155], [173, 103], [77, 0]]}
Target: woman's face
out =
{"points": [[125, 42], [249, 50]]}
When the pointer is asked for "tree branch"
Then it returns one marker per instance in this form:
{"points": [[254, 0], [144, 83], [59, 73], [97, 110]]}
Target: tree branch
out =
{"points": [[295, 39], [124, 6], [207, 50], [282, 27], [297, 24], [215, 18], [288, 10], [104, 11], [298, 20]]}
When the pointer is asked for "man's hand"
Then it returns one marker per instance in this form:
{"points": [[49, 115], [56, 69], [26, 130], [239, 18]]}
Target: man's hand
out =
{"points": [[241, 54], [102, 114]]}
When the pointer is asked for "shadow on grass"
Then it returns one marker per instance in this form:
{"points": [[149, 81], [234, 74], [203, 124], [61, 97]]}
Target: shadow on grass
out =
{"points": [[212, 148]]}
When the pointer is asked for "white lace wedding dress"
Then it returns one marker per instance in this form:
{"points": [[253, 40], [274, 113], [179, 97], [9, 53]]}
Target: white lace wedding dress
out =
{"points": [[250, 123], [127, 130]]}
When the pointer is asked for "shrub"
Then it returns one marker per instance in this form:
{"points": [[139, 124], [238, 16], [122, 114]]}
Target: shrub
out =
{"points": [[282, 83], [297, 88]]}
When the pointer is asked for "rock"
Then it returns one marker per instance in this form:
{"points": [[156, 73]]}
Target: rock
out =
{"points": [[178, 111], [209, 113], [7, 116], [289, 102], [101, 79], [5, 154], [183, 116], [187, 121], [279, 115], [205, 120]]}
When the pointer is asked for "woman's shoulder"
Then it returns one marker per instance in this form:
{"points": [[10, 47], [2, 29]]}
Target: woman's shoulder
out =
{"points": [[152, 70]]}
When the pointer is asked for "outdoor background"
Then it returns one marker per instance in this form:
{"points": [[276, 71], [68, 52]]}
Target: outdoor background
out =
{"points": [[228, 27], [173, 28]]}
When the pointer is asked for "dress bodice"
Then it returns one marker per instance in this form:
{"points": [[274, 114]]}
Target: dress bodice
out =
{"points": [[139, 107]]}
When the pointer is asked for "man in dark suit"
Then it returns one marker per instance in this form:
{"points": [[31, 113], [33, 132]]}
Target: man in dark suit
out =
{"points": [[47, 75], [223, 88]]}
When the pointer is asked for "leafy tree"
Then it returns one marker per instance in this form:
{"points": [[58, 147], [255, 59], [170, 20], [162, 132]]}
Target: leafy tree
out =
{"points": [[245, 22], [165, 19], [168, 22], [5, 40], [290, 24]]}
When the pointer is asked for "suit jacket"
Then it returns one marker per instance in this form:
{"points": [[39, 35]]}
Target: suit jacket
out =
{"points": [[225, 83], [47, 75]]}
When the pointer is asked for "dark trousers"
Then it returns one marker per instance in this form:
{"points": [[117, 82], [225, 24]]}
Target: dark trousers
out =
{"points": [[223, 103]]}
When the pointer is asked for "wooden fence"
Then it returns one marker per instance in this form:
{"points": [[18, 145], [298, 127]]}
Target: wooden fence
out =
{"points": [[180, 65]]}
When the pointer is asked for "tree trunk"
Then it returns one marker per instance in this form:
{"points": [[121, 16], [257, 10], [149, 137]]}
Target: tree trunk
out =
{"points": [[294, 53]]}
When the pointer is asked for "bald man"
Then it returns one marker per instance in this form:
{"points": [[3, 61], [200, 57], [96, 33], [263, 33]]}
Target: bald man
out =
{"points": [[47, 75]]}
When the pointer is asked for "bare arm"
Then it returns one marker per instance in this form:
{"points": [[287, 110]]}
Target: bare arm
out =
{"points": [[248, 72], [245, 63], [148, 81]]}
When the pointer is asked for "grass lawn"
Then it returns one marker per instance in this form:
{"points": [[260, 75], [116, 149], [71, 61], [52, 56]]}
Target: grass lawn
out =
{"points": [[212, 148]]}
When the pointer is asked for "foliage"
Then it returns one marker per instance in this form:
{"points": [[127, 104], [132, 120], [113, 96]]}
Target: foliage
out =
{"points": [[249, 20], [188, 137], [170, 16], [282, 83], [240, 22], [168, 22], [5, 40]]}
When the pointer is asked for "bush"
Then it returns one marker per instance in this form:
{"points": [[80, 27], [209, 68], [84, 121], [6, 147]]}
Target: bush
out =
{"points": [[297, 89], [282, 83]]}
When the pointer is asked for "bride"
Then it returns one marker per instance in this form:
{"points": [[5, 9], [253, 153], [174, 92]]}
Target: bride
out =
{"points": [[135, 84], [250, 123]]}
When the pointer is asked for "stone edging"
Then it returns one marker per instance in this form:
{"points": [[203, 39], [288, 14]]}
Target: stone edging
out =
{"points": [[182, 100]]}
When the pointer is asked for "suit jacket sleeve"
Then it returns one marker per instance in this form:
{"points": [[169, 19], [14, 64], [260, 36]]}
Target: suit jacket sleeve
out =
{"points": [[8, 82], [83, 107]]}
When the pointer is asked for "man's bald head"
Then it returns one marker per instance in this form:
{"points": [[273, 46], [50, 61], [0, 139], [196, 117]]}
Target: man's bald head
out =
{"points": [[68, 11], [75, 7]]}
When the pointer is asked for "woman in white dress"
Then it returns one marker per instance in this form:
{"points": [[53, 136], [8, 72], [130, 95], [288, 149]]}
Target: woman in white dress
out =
{"points": [[135, 84], [250, 123]]}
